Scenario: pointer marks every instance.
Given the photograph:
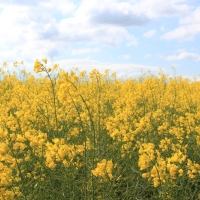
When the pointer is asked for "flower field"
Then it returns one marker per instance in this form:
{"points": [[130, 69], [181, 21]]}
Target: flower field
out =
{"points": [[78, 135]]}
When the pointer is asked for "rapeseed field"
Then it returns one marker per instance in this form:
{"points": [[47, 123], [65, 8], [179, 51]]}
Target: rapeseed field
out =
{"points": [[91, 135]]}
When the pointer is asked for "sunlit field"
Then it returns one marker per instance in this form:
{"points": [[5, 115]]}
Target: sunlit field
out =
{"points": [[90, 135]]}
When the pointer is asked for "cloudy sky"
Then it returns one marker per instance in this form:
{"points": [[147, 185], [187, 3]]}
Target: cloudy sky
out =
{"points": [[124, 36]]}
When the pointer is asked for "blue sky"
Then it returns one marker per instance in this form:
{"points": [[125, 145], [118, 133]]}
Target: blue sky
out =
{"points": [[123, 36]]}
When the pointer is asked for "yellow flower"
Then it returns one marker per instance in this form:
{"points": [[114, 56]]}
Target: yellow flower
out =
{"points": [[180, 171], [104, 168], [109, 168], [65, 163], [45, 60], [156, 182], [55, 67], [20, 138], [51, 165], [82, 73], [145, 175], [5, 64], [56, 140], [15, 64], [38, 66]]}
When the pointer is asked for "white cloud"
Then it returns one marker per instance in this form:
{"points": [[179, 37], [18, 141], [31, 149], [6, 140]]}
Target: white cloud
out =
{"points": [[45, 28], [63, 6], [88, 65], [85, 51], [185, 55], [161, 8], [149, 34], [125, 57], [111, 12], [148, 55], [131, 13], [102, 15], [97, 21], [75, 30], [25, 24], [30, 51], [132, 41], [188, 29], [183, 33], [192, 18]]}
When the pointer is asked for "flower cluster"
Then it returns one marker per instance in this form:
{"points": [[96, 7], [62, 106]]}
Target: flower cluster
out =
{"points": [[104, 169]]}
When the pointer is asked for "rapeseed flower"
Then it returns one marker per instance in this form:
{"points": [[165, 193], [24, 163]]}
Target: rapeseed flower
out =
{"points": [[104, 169]]}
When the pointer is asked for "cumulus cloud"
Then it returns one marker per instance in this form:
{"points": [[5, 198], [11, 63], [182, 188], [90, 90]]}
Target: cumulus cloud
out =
{"points": [[193, 18], [118, 14], [161, 8], [75, 30], [183, 33], [30, 51], [85, 51], [45, 28], [63, 6], [36, 22], [185, 55], [101, 21], [132, 13], [149, 34], [188, 29], [25, 25]]}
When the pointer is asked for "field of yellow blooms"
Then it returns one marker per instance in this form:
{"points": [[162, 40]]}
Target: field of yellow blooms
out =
{"points": [[77, 135]]}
